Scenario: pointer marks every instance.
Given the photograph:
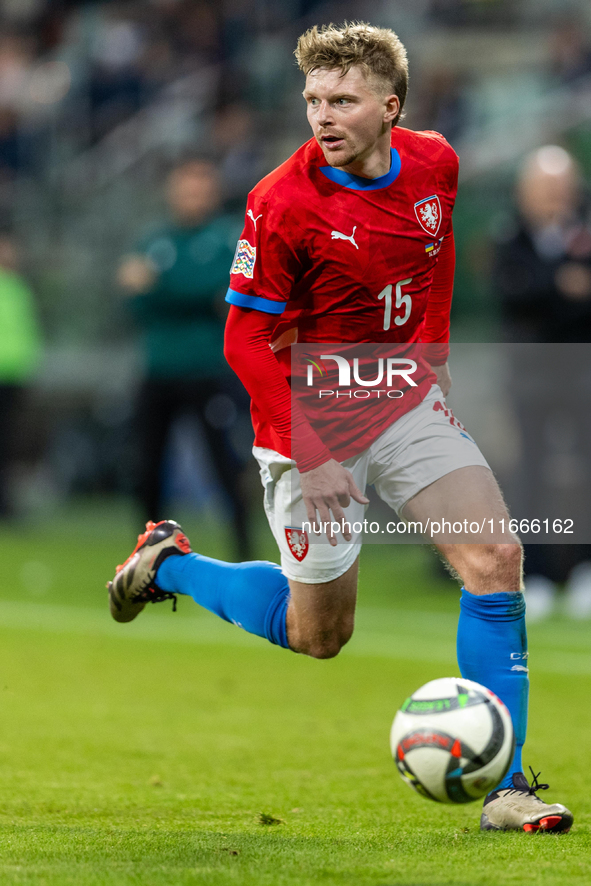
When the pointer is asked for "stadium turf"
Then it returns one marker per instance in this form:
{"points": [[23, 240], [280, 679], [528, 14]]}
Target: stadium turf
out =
{"points": [[178, 750]]}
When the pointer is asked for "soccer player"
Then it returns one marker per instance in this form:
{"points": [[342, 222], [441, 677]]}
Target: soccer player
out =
{"points": [[361, 210]]}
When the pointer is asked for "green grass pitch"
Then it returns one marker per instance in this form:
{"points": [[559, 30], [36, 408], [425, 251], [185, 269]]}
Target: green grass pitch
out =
{"points": [[178, 750]]}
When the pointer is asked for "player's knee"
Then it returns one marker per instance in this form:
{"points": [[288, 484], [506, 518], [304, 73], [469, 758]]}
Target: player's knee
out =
{"points": [[501, 562], [327, 647], [328, 644], [508, 558], [322, 649]]}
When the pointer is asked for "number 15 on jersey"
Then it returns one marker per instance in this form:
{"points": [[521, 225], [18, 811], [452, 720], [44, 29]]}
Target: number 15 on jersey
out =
{"points": [[401, 301]]}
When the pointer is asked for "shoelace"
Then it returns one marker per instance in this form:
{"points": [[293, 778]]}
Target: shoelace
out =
{"points": [[535, 785], [155, 594]]}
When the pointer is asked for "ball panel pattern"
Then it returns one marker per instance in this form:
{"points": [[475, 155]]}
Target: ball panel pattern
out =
{"points": [[452, 740]]}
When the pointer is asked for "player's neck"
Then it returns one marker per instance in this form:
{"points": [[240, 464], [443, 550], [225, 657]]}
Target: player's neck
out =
{"points": [[375, 164]]}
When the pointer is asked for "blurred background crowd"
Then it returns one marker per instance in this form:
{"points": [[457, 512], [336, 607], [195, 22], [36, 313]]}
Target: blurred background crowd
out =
{"points": [[131, 132]]}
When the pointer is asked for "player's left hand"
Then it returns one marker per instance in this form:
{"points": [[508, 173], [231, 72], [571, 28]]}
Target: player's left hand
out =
{"points": [[443, 378], [329, 488]]}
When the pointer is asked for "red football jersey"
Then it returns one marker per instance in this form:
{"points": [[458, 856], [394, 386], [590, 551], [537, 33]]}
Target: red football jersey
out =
{"points": [[340, 258]]}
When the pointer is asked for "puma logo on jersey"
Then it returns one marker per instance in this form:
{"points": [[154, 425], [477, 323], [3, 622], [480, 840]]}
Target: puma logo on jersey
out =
{"points": [[254, 220], [336, 235]]}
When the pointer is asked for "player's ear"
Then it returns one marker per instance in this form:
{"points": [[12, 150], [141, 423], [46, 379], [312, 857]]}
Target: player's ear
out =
{"points": [[392, 105]]}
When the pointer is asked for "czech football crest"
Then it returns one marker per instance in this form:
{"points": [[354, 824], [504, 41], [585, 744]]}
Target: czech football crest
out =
{"points": [[297, 539], [428, 213], [244, 259]]}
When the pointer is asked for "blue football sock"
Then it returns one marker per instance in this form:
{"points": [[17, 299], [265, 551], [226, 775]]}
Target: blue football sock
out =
{"points": [[252, 595], [492, 650]]}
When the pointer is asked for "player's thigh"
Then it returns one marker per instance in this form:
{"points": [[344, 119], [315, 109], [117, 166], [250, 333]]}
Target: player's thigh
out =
{"points": [[428, 468], [419, 449], [469, 499], [467, 508], [322, 615]]}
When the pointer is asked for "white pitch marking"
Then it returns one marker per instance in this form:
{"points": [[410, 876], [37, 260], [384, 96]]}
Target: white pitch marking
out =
{"points": [[382, 633]]}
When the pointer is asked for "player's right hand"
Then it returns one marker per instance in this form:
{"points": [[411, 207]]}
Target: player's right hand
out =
{"points": [[329, 488]]}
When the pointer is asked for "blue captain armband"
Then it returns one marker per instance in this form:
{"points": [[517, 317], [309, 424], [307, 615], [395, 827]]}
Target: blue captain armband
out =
{"points": [[267, 305]]}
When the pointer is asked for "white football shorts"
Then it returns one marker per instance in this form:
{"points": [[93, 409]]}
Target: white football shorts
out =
{"points": [[422, 446]]}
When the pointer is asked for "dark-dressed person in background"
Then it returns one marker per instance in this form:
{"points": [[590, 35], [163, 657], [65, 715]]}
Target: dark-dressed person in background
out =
{"points": [[542, 277], [175, 281], [543, 262]]}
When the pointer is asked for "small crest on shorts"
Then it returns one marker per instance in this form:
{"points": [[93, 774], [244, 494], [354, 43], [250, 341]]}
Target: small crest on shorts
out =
{"points": [[244, 259], [297, 539], [428, 213]]}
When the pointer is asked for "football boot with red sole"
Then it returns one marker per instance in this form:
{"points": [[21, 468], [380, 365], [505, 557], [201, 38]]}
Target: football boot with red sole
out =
{"points": [[519, 809], [134, 584]]}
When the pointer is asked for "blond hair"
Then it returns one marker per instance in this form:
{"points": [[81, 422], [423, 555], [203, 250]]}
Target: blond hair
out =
{"points": [[377, 51]]}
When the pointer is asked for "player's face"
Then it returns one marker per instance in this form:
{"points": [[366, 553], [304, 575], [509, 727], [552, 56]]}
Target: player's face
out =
{"points": [[351, 120]]}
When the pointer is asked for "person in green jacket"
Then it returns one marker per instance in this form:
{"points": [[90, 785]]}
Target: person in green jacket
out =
{"points": [[20, 350], [175, 280]]}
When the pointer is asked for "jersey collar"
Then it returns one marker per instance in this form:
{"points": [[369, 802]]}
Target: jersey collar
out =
{"points": [[357, 183]]}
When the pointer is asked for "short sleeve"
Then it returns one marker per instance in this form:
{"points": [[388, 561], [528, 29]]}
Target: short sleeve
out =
{"points": [[266, 262]]}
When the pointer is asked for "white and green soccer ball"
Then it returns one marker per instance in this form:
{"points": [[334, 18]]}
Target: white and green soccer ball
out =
{"points": [[452, 740]]}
